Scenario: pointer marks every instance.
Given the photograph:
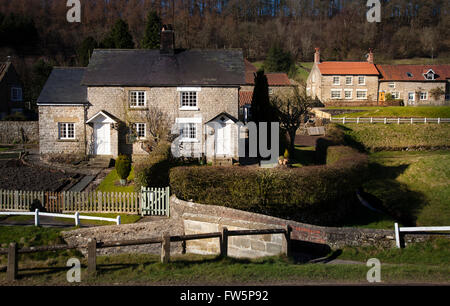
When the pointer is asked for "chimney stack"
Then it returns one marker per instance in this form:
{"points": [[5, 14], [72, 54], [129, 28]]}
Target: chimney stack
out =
{"points": [[370, 56], [317, 56], [167, 40]]}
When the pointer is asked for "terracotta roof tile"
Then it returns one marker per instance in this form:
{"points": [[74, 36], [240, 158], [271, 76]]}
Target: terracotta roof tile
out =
{"points": [[416, 72], [274, 79], [245, 97], [347, 68]]}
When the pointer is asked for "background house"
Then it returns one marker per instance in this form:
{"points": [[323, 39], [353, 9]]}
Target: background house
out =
{"points": [[416, 84], [11, 95], [344, 83], [279, 84]]}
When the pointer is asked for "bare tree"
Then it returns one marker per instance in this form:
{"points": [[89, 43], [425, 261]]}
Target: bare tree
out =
{"points": [[158, 127], [290, 110]]}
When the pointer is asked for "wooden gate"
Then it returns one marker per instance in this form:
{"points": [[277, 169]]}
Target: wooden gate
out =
{"points": [[155, 201], [53, 202]]}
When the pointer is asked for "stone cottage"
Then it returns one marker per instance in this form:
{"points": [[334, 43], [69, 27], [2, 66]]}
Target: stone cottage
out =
{"points": [[416, 84], [103, 109], [344, 83]]}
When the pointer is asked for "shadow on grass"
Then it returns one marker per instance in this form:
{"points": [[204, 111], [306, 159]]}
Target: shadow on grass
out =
{"points": [[304, 157]]}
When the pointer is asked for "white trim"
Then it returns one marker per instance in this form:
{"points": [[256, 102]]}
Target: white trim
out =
{"points": [[389, 85], [189, 89], [361, 90], [137, 130], [64, 126], [339, 80], [362, 76], [189, 108], [189, 120], [351, 93], [349, 76], [426, 95], [137, 98], [111, 120], [331, 93], [414, 95]]}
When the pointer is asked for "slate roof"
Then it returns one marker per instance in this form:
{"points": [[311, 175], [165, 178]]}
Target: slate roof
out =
{"points": [[3, 69], [63, 87], [347, 68], [400, 72], [116, 67]]}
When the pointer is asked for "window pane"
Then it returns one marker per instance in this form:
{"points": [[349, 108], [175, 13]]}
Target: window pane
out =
{"points": [[133, 98], [189, 99]]}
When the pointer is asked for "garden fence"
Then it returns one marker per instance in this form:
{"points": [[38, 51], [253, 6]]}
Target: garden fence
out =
{"points": [[156, 201], [386, 120]]}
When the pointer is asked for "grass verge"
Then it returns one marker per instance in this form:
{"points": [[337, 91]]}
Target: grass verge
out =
{"points": [[398, 111], [111, 183]]}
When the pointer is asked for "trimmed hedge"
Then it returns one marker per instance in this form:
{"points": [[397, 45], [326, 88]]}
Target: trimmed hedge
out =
{"points": [[334, 137], [154, 170], [315, 194]]}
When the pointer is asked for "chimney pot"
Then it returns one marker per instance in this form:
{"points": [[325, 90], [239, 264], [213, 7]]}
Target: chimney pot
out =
{"points": [[370, 56], [167, 46]]}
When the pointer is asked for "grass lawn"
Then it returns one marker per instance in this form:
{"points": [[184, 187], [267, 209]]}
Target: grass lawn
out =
{"points": [[398, 111], [111, 183], [415, 185], [377, 137]]}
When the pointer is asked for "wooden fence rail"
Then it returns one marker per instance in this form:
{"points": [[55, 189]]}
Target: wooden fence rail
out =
{"points": [[164, 240], [387, 120]]}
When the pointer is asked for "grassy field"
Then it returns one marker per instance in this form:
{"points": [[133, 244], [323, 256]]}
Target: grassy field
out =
{"points": [[111, 183], [413, 185], [377, 137], [398, 111], [209, 270]]}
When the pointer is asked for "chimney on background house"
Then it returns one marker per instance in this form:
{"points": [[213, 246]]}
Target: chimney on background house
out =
{"points": [[167, 46], [317, 56], [370, 56]]}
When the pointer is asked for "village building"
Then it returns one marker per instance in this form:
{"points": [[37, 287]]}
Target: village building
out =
{"points": [[11, 93], [102, 109]]}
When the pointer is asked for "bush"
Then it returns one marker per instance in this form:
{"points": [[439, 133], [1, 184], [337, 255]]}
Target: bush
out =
{"points": [[123, 166], [315, 194], [154, 171]]}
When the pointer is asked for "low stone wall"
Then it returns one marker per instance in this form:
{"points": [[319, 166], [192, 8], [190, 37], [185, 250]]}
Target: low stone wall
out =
{"points": [[198, 218], [11, 131]]}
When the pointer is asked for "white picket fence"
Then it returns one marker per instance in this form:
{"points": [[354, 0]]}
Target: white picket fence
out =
{"points": [[155, 201], [77, 217], [386, 120], [422, 229]]}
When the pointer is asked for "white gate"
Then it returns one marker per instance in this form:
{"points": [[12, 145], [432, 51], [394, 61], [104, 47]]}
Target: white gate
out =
{"points": [[155, 201]]}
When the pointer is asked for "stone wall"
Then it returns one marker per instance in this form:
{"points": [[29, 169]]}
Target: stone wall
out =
{"points": [[11, 131], [49, 117], [403, 88]]}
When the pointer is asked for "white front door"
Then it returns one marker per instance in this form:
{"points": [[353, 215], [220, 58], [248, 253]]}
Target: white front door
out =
{"points": [[102, 139], [223, 140]]}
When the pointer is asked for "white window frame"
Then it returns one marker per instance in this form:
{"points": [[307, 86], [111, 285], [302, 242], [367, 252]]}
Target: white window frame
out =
{"points": [[336, 90], [361, 90], [270, 91], [351, 80], [63, 130], [136, 126], [391, 83], [413, 96], [189, 93], [16, 94], [191, 133], [338, 78], [137, 92], [364, 78], [426, 95], [351, 94], [395, 94]]}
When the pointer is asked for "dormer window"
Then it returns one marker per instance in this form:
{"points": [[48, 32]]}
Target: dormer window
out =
{"points": [[16, 94], [409, 74], [430, 75]]}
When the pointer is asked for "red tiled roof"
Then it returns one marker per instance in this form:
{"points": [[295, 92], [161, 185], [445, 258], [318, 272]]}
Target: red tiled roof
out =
{"points": [[347, 68], [245, 97], [274, 79], [400, 72], [249, 67]]}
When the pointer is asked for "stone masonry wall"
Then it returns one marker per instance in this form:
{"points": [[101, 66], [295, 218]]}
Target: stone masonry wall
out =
{"points": [[403, 88], [371, 86], [11, 131], [49, 116], [114, 100]]}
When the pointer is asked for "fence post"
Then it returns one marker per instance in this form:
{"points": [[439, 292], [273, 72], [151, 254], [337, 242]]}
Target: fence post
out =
{"points": [[411, 120], [385, 120], [439, 120], [12, 262], [343, 120], [168, 201], [398, 120], [397, 235], [287, 241], [371, 120], [224, 243], [118, 220], [77, 218], [357, 120], [36, 217], [165, 248], [425, 120], [92, 257]]}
